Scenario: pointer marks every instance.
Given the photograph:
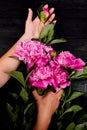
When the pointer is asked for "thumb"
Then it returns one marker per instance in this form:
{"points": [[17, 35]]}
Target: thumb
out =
{"points": [[35, 94], [30, 14]]}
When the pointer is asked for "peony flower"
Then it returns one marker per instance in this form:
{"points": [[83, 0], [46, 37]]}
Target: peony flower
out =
{"points": [[40, 77], [56, 77], [59, 78], [68, 60], [33, 53], [47, 66]]}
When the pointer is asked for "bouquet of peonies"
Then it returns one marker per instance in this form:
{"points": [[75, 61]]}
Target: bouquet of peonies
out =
{"points": [[47, 69], [45, 66]]}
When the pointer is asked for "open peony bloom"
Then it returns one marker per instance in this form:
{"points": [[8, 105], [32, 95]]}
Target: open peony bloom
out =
{"points": [[41, 77], [33, 53], [47, 75], [59, 78], [68, 60]]}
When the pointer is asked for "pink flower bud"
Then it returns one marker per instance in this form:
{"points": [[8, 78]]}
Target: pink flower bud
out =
{"points": [[53, 53], [46, 12]]}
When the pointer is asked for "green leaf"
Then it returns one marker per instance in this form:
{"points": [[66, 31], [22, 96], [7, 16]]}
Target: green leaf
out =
{"points": [[74, 109], [80, 127], [74, 95], [14, 95], [27, 108], [13, 115], [83, 118], [47, 34], [39, 9], [68, 92], [71, 126], [61, 40], [63, 96], [18, 75], [59, 125], [78, 75], [24, 94]]}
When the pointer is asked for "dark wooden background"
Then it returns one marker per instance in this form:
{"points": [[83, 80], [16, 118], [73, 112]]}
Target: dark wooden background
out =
{"points": [[70, 14], [71, 18]]}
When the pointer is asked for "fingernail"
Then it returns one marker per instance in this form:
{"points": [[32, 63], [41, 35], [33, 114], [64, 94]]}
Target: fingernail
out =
{"points": [[55, 21], [28, 9], [53, 9]]}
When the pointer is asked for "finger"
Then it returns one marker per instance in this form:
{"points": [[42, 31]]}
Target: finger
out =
{"points": [[30, 14], [59, 93], [45, 6], [50, 19], [51, 11], [36, 95], [54, 21]]}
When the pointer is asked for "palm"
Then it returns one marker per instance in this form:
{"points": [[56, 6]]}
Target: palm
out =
{"points": [[34, 27]]}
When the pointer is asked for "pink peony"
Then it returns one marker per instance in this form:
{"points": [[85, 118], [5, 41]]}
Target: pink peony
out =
{"points": [[44, 76], [47, 65], [33, 52], [59, 78], [40, 77], [68, 60]]}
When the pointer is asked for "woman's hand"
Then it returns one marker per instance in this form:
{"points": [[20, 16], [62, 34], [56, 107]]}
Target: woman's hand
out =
{"points": [[33, 28], [46, 106]]}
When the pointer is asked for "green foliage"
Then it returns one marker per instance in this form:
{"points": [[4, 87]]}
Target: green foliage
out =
{"points": [[42, 16], [24, 94], [81, 127], [74, 109], [40, 13], [17, 75], [71, 126], [60, 40], [79, 75], [47, 35], [74, 95]]}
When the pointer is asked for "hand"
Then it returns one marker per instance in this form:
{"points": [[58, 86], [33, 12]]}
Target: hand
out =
{"points": [[46, 105], [32, 29]]}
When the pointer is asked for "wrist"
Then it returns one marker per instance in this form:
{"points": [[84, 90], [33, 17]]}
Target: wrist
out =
{"points": [[42, 122], [24, 37]]}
